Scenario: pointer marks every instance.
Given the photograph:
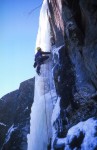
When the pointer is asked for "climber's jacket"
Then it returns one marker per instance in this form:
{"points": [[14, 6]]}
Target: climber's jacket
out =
{"points": [[40, 57], [39, 54]]}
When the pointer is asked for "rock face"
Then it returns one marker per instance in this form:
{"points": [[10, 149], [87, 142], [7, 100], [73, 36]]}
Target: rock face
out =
{"points": [[74, 29], [73, 25], [15, 109]]}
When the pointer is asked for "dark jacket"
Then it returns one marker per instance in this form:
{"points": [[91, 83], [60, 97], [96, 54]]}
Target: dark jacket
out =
{"points": [[39, 54], [39, 58]]}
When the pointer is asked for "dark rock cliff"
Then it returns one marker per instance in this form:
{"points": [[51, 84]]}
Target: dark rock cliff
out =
{"points": [[15, 109], [74, 25]]}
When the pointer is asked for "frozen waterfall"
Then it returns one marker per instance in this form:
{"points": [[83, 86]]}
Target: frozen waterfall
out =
{"points": [[41, 112]]}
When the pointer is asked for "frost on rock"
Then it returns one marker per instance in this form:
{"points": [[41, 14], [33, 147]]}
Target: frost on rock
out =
{"points": [[56, 111], [55, 52], [55, 116], [11, 129], [2, 124], [81, 136]]}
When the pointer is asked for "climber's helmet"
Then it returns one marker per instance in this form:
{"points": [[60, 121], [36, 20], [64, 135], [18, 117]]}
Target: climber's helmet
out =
{"points": [[38, 48]]}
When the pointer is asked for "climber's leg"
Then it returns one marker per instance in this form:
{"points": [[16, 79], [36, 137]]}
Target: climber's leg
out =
{"points": [[35, 64], [38, 70]]}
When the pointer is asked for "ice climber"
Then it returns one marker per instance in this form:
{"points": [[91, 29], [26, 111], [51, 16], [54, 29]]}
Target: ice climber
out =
{"points": [[40, 58]]}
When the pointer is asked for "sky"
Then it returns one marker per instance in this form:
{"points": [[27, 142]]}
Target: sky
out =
{"points": [[18, 33]]}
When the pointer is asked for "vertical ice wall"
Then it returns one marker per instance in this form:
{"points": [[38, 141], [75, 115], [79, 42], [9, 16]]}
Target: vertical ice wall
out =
{"points": [[40, 129], [43, 37]]}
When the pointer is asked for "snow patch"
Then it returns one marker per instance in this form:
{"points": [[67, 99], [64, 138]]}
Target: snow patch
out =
{"points": [[56, 111], [2, 124], [55, 50], [89, 140], [26, 108], [55, 115], [11, 129]]}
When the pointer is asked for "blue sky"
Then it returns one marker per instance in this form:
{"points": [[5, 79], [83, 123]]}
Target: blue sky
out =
{"points": [[18, 32]]}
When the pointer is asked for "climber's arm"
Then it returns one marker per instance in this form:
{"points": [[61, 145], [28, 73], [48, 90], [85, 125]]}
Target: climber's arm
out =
{"points": [[46, 52]]}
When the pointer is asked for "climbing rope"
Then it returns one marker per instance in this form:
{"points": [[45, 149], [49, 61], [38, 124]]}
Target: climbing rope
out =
{"points": [[46, 109], [50, 87], [30, 12], [48, 69], [45, 99], [50, 84]]}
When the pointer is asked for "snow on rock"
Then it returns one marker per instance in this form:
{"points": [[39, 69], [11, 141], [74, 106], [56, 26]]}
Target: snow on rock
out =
{"points": [[55, 115], [56, 111], [2, 124], [55, 51], [11, 129], [81, 136]]}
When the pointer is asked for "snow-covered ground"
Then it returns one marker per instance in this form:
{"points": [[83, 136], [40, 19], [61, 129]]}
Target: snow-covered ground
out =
{"points": [[81, 136]]}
